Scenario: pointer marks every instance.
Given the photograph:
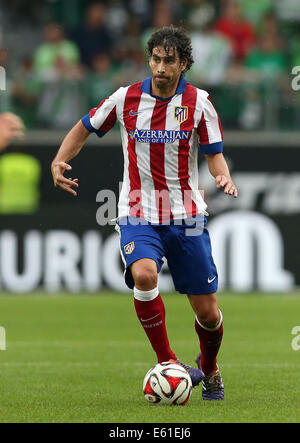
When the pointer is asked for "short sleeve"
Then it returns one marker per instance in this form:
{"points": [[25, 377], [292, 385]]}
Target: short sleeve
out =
{"points": [[102, 119], [210, 129]]}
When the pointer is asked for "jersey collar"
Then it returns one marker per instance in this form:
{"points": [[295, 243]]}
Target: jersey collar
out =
{"points": [[146, 86]]}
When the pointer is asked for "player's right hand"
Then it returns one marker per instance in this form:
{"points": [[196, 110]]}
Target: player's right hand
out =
{"points": [[60, 181]]}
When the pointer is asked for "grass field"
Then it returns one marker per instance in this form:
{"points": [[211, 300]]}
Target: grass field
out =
{"points": [[83, 359]]}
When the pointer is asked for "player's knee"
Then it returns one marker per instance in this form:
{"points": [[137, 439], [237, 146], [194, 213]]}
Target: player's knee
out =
{"points": [[209, 318], [145, 279]]}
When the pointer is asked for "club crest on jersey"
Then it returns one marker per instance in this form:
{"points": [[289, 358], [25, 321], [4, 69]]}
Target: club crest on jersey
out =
{"points": [[129, 248], [181, 113]]}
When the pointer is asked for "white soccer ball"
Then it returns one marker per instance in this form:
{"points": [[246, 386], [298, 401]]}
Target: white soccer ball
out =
{"points": [[167, 384]]}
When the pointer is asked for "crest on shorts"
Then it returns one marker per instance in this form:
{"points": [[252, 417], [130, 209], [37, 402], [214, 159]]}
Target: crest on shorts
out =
{"points": [[129, 248], [181, 113]]}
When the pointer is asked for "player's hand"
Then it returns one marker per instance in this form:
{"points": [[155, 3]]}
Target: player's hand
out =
{"points": [[60, 181], [222, 181], [11, 127]]}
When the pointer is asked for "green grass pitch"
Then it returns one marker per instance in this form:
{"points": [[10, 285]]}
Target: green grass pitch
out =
{"points": [[83, 359]]}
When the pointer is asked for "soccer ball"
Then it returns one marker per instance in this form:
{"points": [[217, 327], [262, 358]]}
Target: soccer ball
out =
{"points": [[167, 384]]}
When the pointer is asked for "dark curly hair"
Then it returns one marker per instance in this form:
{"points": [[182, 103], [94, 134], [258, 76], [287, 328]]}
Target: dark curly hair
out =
{"points": [[173, 37]]}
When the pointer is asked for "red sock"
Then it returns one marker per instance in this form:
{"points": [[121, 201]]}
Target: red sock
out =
{"points": [[210, 342], [152, 317]]}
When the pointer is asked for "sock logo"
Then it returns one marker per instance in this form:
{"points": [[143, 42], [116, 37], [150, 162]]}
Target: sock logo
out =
{"points": [[151, 318]]}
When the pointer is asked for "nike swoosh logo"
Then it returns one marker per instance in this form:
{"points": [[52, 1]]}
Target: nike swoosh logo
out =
{"points": [[151, 318], [210, 280], [133, 114]]}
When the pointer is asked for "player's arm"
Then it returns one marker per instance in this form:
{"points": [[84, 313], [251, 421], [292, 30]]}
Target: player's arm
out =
{"points": [[99, 121], [219, 169], [70, 148], [211, 145]]}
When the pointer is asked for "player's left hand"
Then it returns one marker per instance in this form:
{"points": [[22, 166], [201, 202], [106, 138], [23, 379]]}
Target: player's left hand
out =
{"points": [[222, 181]]}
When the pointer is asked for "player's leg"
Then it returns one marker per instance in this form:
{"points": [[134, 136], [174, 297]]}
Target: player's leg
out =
{"points": [[194, 272], [209, 328], [150, 308], [142, 252]]}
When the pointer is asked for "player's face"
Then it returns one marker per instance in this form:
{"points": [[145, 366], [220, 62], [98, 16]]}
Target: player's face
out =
{"points": [[166, 68]]}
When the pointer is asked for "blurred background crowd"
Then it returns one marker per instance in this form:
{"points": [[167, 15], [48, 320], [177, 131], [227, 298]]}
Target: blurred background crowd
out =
{"points": [[63, 56]]}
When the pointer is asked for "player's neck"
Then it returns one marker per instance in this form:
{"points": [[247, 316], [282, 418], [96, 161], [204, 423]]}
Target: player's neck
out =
{"points": [[164, 92]]}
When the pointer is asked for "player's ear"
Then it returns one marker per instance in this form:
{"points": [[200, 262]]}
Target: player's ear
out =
{"points": [[183, 65], [150, 59]]}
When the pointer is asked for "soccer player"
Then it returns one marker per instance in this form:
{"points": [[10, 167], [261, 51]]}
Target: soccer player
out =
{"points": [[163, 121]]}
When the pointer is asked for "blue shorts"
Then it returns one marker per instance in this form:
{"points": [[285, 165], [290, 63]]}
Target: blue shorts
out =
{"points": [[186, 247]]}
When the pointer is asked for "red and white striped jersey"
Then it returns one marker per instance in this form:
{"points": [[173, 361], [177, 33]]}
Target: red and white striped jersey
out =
{"points": [[160, 139]]}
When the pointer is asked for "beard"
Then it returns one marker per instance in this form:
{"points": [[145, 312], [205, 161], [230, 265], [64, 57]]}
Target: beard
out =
{"points": [[163, 82]]}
